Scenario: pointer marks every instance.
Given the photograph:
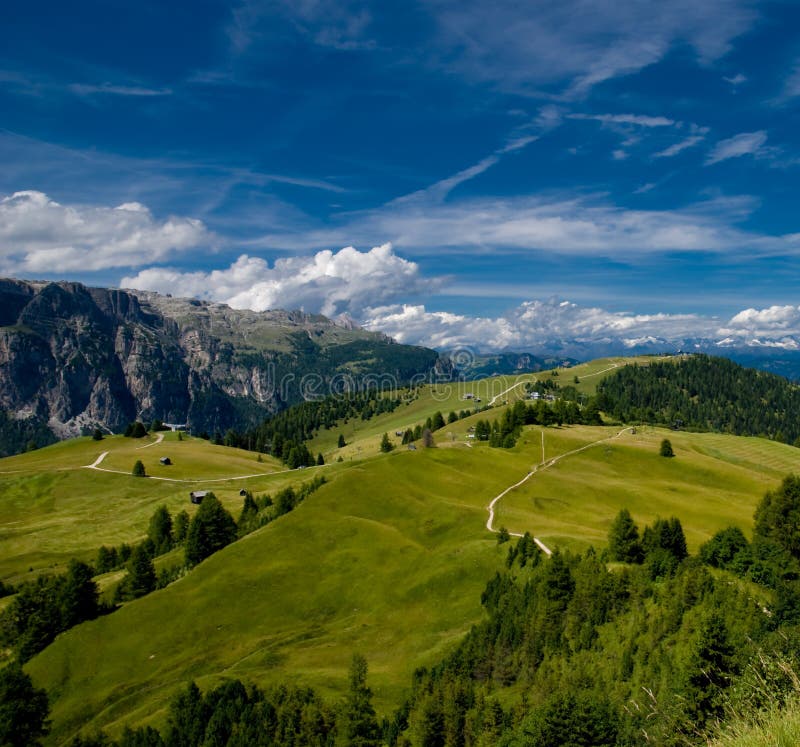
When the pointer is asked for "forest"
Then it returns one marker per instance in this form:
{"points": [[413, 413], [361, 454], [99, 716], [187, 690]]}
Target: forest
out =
{"points": [[702, 392]]}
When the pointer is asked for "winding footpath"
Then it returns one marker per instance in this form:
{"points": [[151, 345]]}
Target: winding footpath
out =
{"points": [[541, 466], [159, 439], [95, 465]]}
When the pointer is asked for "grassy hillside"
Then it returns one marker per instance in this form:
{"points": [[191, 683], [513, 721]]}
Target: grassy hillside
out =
{"points": [[709, 484], [389, 558], [363, 437], [53, 508]]}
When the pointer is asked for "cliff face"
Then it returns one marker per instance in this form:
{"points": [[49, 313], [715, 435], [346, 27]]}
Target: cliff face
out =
{"points": [[74, 358]]}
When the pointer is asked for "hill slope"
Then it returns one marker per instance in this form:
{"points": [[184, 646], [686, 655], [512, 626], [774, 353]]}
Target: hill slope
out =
{"points": [[388, 559]]}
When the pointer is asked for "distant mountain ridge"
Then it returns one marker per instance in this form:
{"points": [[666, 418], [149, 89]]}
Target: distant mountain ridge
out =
{"points": [[73, 358], [499, 364]]}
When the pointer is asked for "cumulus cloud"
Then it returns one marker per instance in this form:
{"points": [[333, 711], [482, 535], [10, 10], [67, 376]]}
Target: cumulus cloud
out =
{"points": [[328, 282], [534, 325], [774, 326], [557, 326], [40, 235], [743, 144]]}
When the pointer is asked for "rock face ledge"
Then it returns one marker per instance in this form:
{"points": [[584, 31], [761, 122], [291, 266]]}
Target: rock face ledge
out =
{"points": [[73, 358]]}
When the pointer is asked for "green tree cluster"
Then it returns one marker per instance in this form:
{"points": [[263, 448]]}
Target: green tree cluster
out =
{"points": [[48, 606], [705, 393], [211, 529]]}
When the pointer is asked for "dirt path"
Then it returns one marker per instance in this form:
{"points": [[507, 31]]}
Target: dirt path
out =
{"points": [[541, 466], [506, 391], [597, 373], [96, 463], [159, 439]]}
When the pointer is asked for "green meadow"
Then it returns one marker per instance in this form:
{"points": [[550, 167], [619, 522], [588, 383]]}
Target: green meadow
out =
{"points": [[388, 558]]}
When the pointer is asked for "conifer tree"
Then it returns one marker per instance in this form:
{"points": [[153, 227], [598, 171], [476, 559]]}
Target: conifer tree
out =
{"points": [[138, 469], [141, 577], [357, 725], [386, 444], [180, 527], [708, 671], [23, 709], [211, 529], [160, 530], [623, 539]]}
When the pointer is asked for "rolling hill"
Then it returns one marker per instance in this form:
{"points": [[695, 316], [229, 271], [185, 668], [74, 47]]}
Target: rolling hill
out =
{"points": [[387, 559]]}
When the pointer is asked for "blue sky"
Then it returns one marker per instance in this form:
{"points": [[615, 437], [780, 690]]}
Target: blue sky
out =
{"points": [[504, 172]]}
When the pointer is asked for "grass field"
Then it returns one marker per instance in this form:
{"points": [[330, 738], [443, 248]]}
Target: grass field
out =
{"points": [[710, 484], [388, 558], [53, 508]]}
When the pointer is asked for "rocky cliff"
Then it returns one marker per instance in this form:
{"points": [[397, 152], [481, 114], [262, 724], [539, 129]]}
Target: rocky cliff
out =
{"points": [[73, 358]]}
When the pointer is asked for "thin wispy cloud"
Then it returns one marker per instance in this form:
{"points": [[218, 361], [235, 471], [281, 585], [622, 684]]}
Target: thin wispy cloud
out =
{"points": [[640, 120], [736, 80], [525, 47], [743, 144], [568, 225], [681, 146], [111, 89]]}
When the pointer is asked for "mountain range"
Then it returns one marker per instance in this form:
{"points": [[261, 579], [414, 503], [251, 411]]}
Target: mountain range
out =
{"points": [[75, 358]]}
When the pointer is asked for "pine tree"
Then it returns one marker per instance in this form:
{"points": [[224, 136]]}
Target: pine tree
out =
{"points": [[623, 539], [180, 527], [211, 529], [386, 444], [138, 469], [357, 725], [141, 577], [666, 449], [341, 443], [320, 460], [708, 671], [160, 530], [23, 709]]}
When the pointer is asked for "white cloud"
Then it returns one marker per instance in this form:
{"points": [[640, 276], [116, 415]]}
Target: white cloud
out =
{"points": [[527, 46], [743, 144], [40, 235], [327, 282], [640, 120], [696, 136], [567, 225], [534, 325], [736, 80], [791, 86]]}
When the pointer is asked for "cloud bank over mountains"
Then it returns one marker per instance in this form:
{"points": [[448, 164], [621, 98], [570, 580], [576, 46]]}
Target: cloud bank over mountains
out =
{"points": [[373, 286], [387, 292]]}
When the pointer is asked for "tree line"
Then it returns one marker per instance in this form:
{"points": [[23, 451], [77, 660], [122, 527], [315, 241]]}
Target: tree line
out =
{"points": [[284, 435], [505, 431], [702, 392]]}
